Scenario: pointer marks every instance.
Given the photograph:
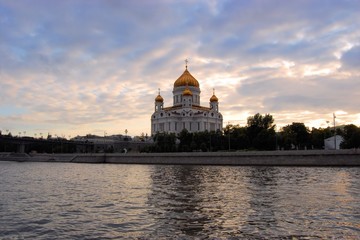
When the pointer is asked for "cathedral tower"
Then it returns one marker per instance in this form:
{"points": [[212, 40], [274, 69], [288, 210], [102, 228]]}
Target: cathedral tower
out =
{"points": [[186, 112]]}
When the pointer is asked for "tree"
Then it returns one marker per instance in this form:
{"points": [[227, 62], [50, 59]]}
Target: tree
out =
{"points": [[295, 135], [236, 136], [165, 142], [202, 140], [186, 139], [351, 136], [317, 137], [261, 132]]}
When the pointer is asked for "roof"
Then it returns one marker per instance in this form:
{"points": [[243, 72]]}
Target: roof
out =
{"points": [[186, 79]]}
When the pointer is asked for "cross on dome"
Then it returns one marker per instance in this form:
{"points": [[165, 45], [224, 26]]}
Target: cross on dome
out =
{"points": [[186, 78], [213, 97], [159, 98]]}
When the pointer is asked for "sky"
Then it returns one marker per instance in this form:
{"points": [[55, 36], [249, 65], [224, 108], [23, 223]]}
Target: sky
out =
{"points": [[76, 67]]}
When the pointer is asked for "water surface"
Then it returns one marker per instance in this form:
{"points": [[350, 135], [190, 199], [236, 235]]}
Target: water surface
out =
{"points": [[105, 201]]}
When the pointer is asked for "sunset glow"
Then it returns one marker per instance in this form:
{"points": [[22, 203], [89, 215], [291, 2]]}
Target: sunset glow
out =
{"points": [[77, 67]]}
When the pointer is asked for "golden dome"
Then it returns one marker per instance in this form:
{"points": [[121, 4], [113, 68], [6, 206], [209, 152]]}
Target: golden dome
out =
{"points": [[187, 92], [159, 98], [214, 98], [186, 79]]}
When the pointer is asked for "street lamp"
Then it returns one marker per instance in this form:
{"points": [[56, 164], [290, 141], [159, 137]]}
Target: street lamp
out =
{"points": [[334, 132], [229, 130]]}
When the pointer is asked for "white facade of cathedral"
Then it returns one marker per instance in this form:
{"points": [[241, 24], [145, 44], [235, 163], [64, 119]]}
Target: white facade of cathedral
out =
{"points": [[186, 112]]}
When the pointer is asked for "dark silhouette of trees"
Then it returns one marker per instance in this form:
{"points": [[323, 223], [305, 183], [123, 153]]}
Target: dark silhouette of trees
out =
{"points": [[237, 137], [164, 142], [186, 141], [295, 135], [261, 132], [351, 135]]}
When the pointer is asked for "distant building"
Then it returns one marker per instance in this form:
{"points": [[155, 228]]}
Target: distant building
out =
{"points": [[186, 112], [329, 143], [113, 143]]}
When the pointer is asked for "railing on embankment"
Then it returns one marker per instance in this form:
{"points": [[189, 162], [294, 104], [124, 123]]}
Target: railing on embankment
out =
{"points": [[266, 158]]}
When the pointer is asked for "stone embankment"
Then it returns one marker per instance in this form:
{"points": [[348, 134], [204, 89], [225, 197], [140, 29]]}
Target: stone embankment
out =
{"points": [[253, 158]]}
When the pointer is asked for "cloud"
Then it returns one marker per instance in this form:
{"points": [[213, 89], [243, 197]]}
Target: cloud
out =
{"points": [[77, 67], [351, 59]]}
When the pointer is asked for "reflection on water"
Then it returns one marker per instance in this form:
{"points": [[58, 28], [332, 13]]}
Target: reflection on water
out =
{"points": [[84, 201]]}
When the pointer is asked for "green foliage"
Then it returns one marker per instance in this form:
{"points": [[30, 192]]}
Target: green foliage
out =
{"points": [[261, 132], [351, 135], [185, 140], [261, 122], [317, 137], [237, 137], [295, 135], [164, 142]]}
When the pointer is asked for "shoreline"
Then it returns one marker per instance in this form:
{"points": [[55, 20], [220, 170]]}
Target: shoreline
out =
{"points": [[346, 157]]}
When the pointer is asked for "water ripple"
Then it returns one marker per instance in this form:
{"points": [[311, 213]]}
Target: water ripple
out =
{"points": [[85, 201]]}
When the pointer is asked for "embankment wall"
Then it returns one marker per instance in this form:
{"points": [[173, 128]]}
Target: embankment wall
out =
{"points": [[268, 158]]}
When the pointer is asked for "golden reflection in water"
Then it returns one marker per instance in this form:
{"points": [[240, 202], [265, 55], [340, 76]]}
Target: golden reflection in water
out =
{"points": [[341, 185]]}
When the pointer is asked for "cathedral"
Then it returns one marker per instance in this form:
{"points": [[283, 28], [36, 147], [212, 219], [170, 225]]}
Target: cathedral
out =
{"points": [[186, 112]]}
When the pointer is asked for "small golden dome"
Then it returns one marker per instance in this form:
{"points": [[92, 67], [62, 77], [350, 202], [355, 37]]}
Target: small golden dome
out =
{"points": [[159, 98], [214, 99], [187, 92], [186, 79]]}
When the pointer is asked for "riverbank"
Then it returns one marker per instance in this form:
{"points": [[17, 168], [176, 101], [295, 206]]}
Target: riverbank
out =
{"points": [[266, 158]]}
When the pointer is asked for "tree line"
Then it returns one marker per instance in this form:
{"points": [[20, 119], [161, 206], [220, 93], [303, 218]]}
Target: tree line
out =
{"points": [[258, 134]]}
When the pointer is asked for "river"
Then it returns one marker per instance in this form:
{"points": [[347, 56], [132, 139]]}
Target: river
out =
{"points": [[106, 201]]}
